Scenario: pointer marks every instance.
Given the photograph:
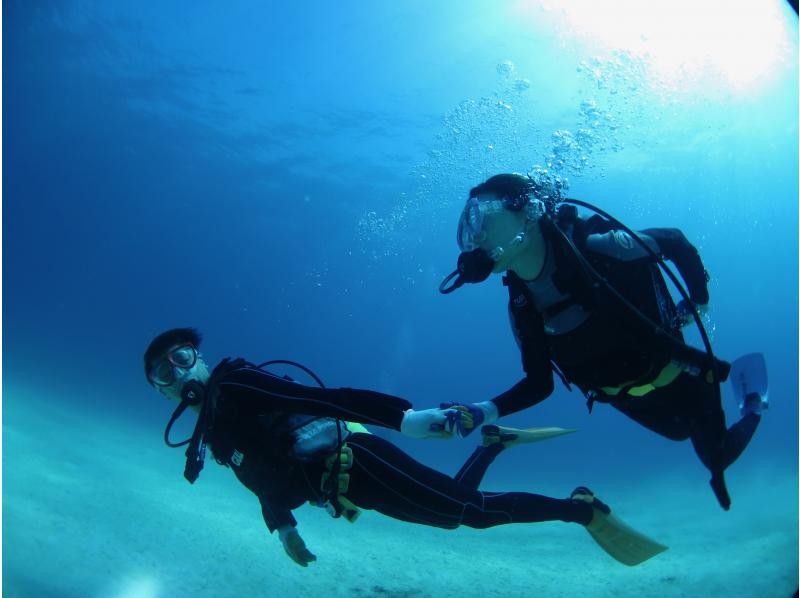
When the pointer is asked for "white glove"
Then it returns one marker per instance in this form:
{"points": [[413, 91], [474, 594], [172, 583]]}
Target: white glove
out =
{"points": [[428, 423], [294, 546]]}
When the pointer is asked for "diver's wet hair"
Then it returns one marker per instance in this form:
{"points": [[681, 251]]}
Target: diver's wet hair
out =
{"points": [[166, 340], [516, 188]]}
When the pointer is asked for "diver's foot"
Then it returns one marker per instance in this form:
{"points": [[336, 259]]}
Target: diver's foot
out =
{"points": [[619, 540], [717, 482], [508, 437], [754, 403], [583, 494]]}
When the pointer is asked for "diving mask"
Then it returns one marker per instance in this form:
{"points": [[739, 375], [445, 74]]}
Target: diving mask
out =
{"points": [[175, 365], [470, 226]]}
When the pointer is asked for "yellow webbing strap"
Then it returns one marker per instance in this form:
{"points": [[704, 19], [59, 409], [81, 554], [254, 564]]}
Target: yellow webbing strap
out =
{"points": [[671, 371], [355, 427]]}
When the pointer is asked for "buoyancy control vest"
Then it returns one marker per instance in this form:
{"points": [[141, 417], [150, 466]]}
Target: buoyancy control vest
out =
{"points": [[612, 346], [280, 434]]}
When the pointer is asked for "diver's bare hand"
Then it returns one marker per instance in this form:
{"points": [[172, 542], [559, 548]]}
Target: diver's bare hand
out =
{"points": [[295, 547]]}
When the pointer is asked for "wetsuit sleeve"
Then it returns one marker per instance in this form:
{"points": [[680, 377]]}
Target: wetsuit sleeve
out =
{"points": [[675, 247], [270, 492], [275, 516], [351, 404], [538, 382]]}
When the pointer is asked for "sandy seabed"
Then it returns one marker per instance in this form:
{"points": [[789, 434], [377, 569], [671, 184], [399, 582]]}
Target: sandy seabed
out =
{"points": [[91, 508]]}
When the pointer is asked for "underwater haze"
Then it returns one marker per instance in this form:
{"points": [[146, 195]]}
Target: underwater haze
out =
{"points": [[288, 177]]}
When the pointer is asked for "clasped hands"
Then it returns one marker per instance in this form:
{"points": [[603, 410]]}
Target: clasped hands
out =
{"points": [[445, 421]]}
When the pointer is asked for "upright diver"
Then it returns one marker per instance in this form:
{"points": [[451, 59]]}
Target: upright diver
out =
{"points": [[290, 444], [587, 301]]}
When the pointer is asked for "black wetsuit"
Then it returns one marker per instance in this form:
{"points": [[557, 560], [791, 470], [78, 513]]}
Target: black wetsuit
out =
{"points": [[250, 431], [603, 344]]}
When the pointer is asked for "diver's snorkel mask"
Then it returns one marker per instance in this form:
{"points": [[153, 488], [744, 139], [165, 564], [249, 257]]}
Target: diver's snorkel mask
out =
{"points": [[475, 264], [179, 366], [193, 393], [182, 373]]}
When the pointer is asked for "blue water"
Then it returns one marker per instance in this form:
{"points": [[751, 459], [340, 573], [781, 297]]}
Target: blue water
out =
{"points": [[288, 179]]}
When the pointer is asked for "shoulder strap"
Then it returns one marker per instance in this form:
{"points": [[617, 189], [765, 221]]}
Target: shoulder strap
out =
{"points": [[518, 294], [520, 303], [525, 314], [566, 237]]}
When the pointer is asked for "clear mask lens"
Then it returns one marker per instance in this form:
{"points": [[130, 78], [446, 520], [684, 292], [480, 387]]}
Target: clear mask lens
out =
{"points": [[183, 357], [162, 374], [470, 225], [470, 233], [176, 365]]}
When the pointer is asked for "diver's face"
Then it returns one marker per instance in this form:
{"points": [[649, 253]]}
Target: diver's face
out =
{"points": [[503, 232], [178, 366]]}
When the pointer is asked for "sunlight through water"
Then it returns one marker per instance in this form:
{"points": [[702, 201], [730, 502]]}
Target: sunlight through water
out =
{"points": [[684, 42]]}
